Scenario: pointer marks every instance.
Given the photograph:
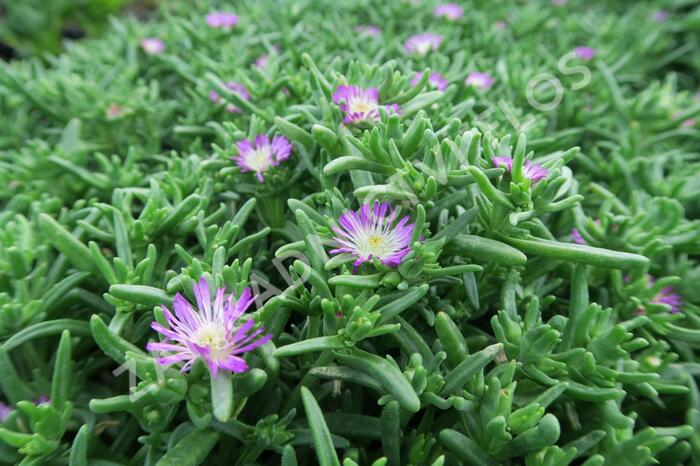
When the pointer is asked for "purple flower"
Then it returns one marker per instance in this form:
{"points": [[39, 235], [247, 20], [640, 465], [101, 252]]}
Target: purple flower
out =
{"points": [[669, 297], [368, 30], [531, 170], [371, 232], [436, 80], [263, 60], [479, 80], [152, 46], [451, 11], [261, 154], [421, 44], [660, 16], [360, 104], [237, 88], [585, 53], [576, 236], [221, 19], [42, 399], [209, 332], [5, 411]]}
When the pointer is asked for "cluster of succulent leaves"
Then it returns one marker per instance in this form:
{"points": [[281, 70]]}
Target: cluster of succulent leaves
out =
{"points": [[496, 341]]}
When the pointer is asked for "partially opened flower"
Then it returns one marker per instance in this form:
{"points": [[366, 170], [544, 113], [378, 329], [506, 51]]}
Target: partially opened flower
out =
{"points": [[479, 80], [368, 29], [451, 11], [237, 88], [669, 297], [585, 53], [421, 44], [152, 46], [660, 16], [576, 236], [372, 232], [211, 332], [360, 104], [5, 411], [259, 155], [531, 170], [221, 20], [435, 79]]}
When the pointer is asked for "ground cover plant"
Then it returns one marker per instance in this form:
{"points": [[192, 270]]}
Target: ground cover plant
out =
{"points": [[351, 232]]}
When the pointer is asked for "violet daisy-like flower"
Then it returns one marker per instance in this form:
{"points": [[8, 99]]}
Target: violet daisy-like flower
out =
{"points": [[260, 154], [479, 80], [451, 11], [372, 232], [221, 20], [436, 80], [368, 29], [585, 53], [531, 170], [152, 46], [421, 44], [360, 104], [210, 332]]}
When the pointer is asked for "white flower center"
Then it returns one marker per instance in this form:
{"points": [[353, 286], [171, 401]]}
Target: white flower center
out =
{"points": [[423, 47], [363, 106], [213, 337], [259, 159], [375, 244]]}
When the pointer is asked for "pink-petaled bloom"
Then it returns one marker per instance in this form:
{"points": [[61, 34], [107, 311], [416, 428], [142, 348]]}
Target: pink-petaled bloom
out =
{"points": [[360, 104], [451, 11], [660, 16], [585, 53], [210, 332], [531, 170], [436, 80], [368, 29], [221, 20], [263, 60], [259, 155], [114, 110], [421, 44], [372, 232], [152, 46], [479, 80], [5, 411], [689, 123]]}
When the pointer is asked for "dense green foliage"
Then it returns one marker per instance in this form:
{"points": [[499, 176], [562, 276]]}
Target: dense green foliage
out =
{"points": [[496, 341]]}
